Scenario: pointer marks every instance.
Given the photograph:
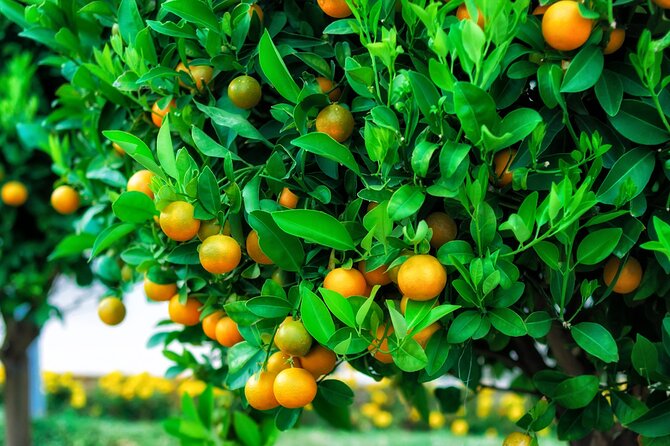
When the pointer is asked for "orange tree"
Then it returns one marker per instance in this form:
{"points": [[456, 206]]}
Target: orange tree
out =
{"points": [[418, 188]]}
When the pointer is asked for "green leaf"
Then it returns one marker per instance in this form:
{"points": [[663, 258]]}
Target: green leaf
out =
{"points": [[324, 145], [644, 356], [136, 148], [549, 77], [339, 306], [577, 392], [130, 20], [424, 92], [598, 245], [195, 11], [269, 307], [460, 250], [584, 70], [409, 356], [165, 150], [134, 207], [315, 316], [609, 91], [548, 252], [208, 191], [283, 249], [474, 108], [463, 327], [596, 340], [246, 429], [507, 322], [655, 423], [275, 70], [337, 392], [405, 202], [640, 123], [111, 235], [538, 324], [72, 245], [631, 171], [315, 227], [232, 121]]}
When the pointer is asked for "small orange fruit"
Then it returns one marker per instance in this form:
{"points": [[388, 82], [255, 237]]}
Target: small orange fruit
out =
{"points": [[254, 249], [279, 361], [227, 332], [347, 282], [564, 28], [201, 75], [210, 322], [443, 227], [462, 13], [422, 277], [424, 335], [140, 182], [615, 41], [294, 388], [209, 228], [14, 193], [292, 338], [259, 391], [327, 86], [220, 254], [288, 199], [380, 345], [158, 113], [245, 92], [501, 162], [111, 311], [629, 279], [187, 314], [337, 9], [177, 221], [65, 200], [375, 277], [159, 292], [335, 121], [319, 361], [517, 439]]}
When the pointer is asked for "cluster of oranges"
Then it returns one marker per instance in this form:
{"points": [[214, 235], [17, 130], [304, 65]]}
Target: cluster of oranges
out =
{"points": [[288, 377], [64, 199]]}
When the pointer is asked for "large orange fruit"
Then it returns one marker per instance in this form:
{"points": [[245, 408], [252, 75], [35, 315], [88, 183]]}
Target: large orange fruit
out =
{"points": [[336, 121], [288, 199], [159, 292], [220, 254], [319, 361], [462, 13], [294, 388], [347, 282], [210, 322], [245, 92], [338, 9], [279, 361], [201, 75], [564, 28], [443, 227], [254, 249], [140, 181], [422, 277], [259, 391], [158, 113], [187, 314], [227, 332], [177, 221], [629, 279], [65, 200], [615, 41], [292, 338], [517, 439], [380, 345], [501, 162], [14, 193], [377, 276], [327, 86]]}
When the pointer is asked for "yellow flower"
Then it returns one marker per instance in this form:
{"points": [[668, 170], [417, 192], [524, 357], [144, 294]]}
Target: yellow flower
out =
{"points": [[379, 397], [491, 432], [460, 428], [370, 409], [145, 392], [436, 420], [382, 419]]}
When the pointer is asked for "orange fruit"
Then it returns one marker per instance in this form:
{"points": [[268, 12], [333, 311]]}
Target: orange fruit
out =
{"points": [[422, 277], [288, 199], [335, 8], [177, 221], [209, 228], [294, 388], [665, 4], [564, 28], [254, 249], [424, 335], [14, 193], [186, 314], [335, 121], [403, 304], [111, 310], [327, 86], [393, 272], [319, 361], [158, 113], [279, 361], [220, 254], [126, 273], [259, 391], [210, 322], [443, 227], [501, 162], [245, 92], [347, 282], [200, 74], [615, 41], [463, 14], [118, 149], [255, 9], [629, 279], [140, 182], [540, 10], [517, 439], [375, 277], [227, 332], [381, 347], [159, 292], [292, 338], [65, 200]]}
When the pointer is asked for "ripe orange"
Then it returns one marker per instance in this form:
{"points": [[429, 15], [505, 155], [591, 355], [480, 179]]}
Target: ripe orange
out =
{"points": [[327, 86], [210, 322], [259, 391], [292, 338], [220, 254], [335, 8], [422, 277], [279, 361], [375, 277], [381, 347], [177, 221], [517, 439], [254, 250], [209, 228], [665, 4], [424, 335], [319, 361], [118, 149], [158, 113], [255, 9], [294, 388], [501, 162], [200, 74], [65, 200], [463, 14], [336, 121], [159, 292], [227, 332], [140, 182], [245, 92], [288, 199], [615, 41], [347, 282], [443, 227], [564, 28], [187, 314], [111, 310], [629, 279], [14, 193]]}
